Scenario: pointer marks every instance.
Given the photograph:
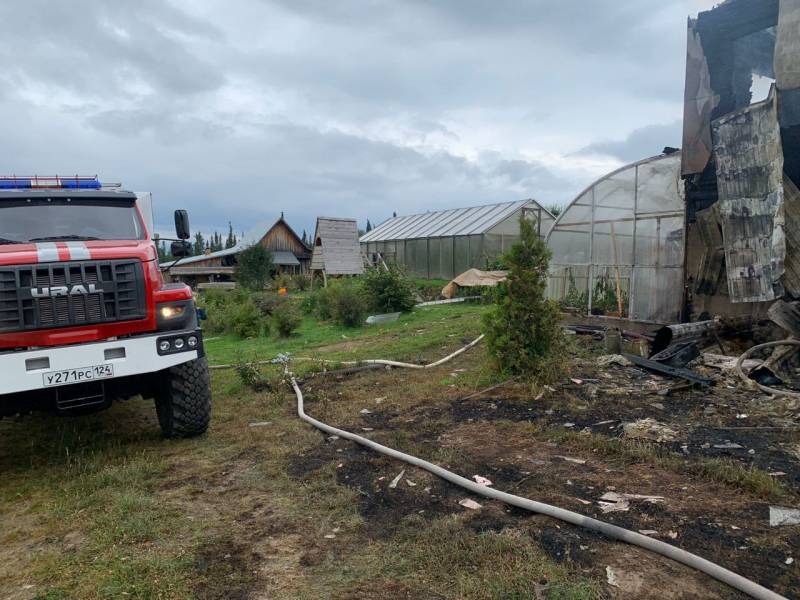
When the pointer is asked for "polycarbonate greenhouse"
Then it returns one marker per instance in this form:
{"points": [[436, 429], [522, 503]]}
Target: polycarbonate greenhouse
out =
{"points": [[618, 248], [444, 244]]}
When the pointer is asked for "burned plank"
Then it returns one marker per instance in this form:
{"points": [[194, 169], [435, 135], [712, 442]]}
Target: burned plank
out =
{"points": [[669, 371]]}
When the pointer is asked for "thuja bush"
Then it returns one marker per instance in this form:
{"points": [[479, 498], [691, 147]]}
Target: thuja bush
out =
{"points": [[523, 335]]}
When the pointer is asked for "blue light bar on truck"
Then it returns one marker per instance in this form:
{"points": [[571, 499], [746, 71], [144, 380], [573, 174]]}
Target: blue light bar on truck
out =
{"points": [[55, 182]]}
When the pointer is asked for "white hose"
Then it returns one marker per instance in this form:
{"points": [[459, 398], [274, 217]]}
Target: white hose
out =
{"points": [[749, 382], [738, 582]]}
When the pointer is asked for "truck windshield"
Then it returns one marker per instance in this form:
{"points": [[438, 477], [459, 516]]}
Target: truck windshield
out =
{"points": [[40, 219]]}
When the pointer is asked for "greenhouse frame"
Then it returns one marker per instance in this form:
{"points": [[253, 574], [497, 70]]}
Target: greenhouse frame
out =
{"points": [[618, 248], [444, 244]]}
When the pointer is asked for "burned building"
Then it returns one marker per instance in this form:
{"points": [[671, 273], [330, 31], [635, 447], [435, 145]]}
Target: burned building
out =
{"points": [[618, 248], [741, 157], [714, 230]]}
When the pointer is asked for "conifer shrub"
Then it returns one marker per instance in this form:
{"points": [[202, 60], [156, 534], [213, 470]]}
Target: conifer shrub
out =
{"points": [[523, 334]]}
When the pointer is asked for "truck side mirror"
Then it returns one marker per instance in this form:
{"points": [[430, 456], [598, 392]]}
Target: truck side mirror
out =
{"points": [[182, 224], [180, 249]]}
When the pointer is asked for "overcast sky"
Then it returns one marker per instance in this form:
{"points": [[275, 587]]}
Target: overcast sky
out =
{"points": [[241, 109]]}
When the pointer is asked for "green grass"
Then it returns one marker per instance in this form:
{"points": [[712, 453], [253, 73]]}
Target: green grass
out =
{"points": [[410, 334], [718, 470]]}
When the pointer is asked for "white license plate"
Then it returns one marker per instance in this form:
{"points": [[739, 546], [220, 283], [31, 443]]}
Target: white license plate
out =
{"points": [[70, 376]]}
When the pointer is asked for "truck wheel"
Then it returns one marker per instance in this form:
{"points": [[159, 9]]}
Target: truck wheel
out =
{"points": [[183, 401]]}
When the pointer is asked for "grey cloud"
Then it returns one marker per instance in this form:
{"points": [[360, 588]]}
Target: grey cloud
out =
{"points": [[212, 111], [98, 48], [168, 127], [640, 143]]}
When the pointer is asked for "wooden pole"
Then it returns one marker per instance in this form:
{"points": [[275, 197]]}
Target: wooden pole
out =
{"points": [[616, 270]]}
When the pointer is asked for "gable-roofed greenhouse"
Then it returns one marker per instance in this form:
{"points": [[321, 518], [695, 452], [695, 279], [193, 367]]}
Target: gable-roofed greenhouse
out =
{"points": [[618, 248], [443, 244]]}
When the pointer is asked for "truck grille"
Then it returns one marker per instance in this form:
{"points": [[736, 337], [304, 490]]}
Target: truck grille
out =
{"points": [[68, 294]]}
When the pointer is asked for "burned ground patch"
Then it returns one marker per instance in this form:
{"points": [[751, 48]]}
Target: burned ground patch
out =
{"points": [[225, 570], [385, 508], [770, 450]]}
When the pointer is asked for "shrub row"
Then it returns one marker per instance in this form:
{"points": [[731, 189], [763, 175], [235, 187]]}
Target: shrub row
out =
{"points": [[249, 315]]}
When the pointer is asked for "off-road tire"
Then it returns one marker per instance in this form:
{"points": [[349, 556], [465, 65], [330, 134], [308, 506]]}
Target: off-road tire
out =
{"points": [[183, 400]]}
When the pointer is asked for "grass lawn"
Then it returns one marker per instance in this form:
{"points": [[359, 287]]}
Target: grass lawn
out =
{"points": [[406, 338]]}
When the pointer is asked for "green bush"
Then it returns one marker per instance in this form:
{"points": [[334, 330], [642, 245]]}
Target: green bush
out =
{"points": [[346, 304], [281, 280], [523, 335], [220, 307], [320, 302], [246, 320], [267, 302], [388, 290], [287, 318], [301, 282]]}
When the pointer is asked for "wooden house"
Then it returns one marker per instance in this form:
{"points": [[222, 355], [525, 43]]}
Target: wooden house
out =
{"points": [[289, 254]]}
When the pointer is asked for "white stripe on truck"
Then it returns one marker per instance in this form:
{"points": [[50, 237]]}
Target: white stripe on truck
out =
{"points": [[78, 251], [47, 252]]}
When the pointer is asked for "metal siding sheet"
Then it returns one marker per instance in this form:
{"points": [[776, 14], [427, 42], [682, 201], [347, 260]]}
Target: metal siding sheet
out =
{"points": [[285, 258], [747, 147], [698, 104], [787, 46], [791, 206]]}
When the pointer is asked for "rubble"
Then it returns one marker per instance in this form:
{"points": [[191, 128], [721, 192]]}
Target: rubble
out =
{"points": [[649, 429], [397, 479], [780, 516], [616, 502]]}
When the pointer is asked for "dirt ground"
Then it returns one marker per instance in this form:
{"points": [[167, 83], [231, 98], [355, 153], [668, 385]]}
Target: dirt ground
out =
{"points": [[544, 448], [266, 507]]}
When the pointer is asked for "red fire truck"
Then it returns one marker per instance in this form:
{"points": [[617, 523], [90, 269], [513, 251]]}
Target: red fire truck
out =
{"points": [[85, 314]]}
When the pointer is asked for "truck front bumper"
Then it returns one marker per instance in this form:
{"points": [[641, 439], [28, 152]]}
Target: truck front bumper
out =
{"points": [[66, 365]]}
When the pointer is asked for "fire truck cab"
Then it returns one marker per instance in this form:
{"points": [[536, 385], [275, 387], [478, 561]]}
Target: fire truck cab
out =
{"points": [[85, 314]]}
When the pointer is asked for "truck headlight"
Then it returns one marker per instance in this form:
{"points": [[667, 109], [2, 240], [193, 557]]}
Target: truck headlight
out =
{"points": [[172, 316], [164, 345], [171, 311]]}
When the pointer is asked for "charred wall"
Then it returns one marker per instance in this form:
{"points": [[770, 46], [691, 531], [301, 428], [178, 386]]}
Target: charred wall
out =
{"points": [[739, 157]]}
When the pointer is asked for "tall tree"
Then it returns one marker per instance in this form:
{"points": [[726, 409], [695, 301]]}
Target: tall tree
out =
{"points": [[369, 226], [231, 241], [199, 244], [254, 267], [305, 237]]}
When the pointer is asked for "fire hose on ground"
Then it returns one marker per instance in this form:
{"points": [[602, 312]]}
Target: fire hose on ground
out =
{"points": [[726, 576], [749, 382]]}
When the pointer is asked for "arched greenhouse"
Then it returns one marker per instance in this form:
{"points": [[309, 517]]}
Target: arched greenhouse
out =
{"points": [[618, 248]]}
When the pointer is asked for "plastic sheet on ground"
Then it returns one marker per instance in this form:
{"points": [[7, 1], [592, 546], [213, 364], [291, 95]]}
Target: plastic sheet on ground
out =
{"points": [[473, 278]]}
